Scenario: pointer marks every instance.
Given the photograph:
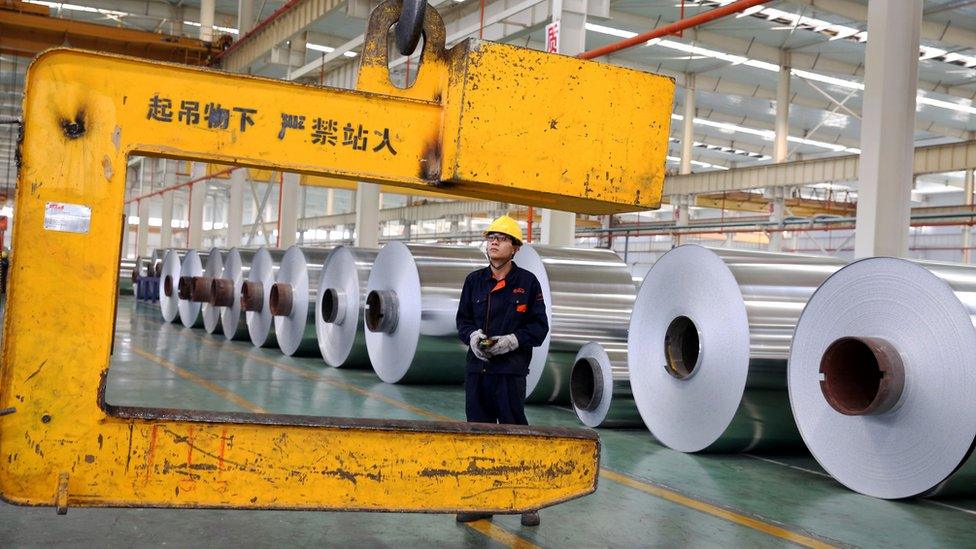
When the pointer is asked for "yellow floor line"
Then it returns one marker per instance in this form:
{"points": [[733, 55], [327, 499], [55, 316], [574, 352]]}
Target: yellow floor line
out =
{"points": [[713, 510], [663, 493], [500, 535], [485, 527], [339, 384], [189, 376]]}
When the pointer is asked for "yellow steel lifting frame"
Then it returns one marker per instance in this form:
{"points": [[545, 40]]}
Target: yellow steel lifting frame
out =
{"points": [[484, 120]]}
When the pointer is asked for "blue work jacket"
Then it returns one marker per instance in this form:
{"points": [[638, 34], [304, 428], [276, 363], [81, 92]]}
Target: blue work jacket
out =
{"points": [[514, 305]]}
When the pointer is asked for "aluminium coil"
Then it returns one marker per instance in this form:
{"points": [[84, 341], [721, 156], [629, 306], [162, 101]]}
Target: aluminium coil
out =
{"points": [[190, 268], [293, 297], [411, 309], [708, 343], [256, 293], [169, 277], [226, 293], [339, 307], [600, 387], [589, 294], [202, 287], [882, 377]]}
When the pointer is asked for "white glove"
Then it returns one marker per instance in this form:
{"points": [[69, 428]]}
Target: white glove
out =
{"points": [[476, 337], [503, 344]]}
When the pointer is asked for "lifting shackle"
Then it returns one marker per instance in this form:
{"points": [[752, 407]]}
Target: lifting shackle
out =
{"points": [[410, 25]]}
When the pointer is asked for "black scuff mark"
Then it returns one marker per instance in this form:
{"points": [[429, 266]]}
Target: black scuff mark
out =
{"points": [[430, 163], [37, 371], [73, 129], [128, 454]]}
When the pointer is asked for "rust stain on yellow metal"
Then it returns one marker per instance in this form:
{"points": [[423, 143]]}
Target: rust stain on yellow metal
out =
{"points": [[482, 120], [84, 114], [530, 127], [599, 151], [402, 466], [336, 183]]}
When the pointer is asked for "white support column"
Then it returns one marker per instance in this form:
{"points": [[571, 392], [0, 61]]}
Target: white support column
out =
{"points": [[166, 217], [367, 215], [142, 206], [166, 222], [682, 214], [303, 213], [142, 238], [777, 205], [296, 56], [235, 207], [777, 213], [176, 20], [780, 143], [330, 202], [887, 128], [967, 234], [130, 210], [688, 130], [290, 195], [198, 195], [559, 228], [245, 16], [207, 20]]}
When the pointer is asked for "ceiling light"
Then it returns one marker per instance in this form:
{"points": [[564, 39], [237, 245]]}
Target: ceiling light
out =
{"points": [[697, 163], [327, 49], [610, 31], [76, 7], [228, 30], [771, 67], [769, 135]]}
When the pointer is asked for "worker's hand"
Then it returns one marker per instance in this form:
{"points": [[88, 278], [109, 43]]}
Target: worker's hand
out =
{"points": [[503, 344], [474, 342]]}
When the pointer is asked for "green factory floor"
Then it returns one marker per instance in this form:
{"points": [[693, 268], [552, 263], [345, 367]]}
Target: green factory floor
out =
{"points": [[648, 495]]}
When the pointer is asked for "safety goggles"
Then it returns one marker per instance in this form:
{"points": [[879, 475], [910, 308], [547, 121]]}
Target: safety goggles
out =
{"points": [[497, 237]]}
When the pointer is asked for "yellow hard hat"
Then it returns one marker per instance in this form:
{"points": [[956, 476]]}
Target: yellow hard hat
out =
{"points": [[506, 225]]}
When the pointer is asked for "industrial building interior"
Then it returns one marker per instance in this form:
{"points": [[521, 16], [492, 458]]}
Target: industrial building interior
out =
{"points": [[816, 197]]}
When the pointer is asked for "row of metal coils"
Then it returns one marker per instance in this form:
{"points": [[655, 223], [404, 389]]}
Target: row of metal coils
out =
{"points": [[871, 365]]}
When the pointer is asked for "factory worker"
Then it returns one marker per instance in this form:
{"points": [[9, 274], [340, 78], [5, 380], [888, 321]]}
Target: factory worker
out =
{"points": [[501, 317]]}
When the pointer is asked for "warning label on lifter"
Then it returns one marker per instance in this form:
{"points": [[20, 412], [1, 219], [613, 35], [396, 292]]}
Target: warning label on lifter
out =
{"points": [[67, 218]]}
